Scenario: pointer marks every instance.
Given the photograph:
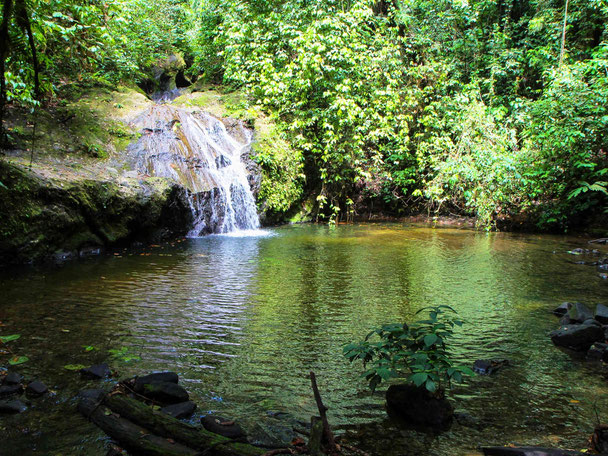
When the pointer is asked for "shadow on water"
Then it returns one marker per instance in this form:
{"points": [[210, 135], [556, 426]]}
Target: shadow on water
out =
{"points": [[244, 318]]}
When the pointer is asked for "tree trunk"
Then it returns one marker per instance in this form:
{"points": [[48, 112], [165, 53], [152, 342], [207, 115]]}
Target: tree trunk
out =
{"points": [[7, 12]]}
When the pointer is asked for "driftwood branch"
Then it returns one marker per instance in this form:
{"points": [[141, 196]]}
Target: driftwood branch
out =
{"points": [[328, 435]]}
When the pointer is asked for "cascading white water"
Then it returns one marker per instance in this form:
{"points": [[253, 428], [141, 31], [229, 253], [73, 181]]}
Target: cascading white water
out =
{"points": [[197, 151]]}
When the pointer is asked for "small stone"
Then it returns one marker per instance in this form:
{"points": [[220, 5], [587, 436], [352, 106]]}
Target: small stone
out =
{"points": [[601, 313], [14, 406], [562, 309], [36, 388], [181, 410], [9, 390], [167, 392], [603, 276], [13, 378], [579, 312], [96, 372], [223, 426]]}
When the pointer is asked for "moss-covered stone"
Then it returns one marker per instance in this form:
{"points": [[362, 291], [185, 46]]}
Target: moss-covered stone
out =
{"points": [[42, 216]]}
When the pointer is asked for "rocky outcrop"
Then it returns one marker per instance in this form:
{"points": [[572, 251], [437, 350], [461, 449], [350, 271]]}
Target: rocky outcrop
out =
{"points": [[65, 215]]}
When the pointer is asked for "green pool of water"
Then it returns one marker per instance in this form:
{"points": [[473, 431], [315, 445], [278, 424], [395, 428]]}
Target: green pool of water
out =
{"points": [[244, 319]]}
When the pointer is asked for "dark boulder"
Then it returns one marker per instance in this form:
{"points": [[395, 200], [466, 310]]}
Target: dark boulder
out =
{"points": [[9, 390], [601, 314], [12, 378], [418, 406], [168, 377], [577, 337], [181, 410], [592, 321], [96, 372], [489, 366], [579, 312], [565, 320], [165, 392], [596, 352], [222, 426], [14, 406], [36, 388], [528, 451], [562, 309]]}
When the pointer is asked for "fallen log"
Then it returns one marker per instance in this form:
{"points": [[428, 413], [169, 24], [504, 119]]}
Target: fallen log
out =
{"points": [[166, 426], [132, 437]]}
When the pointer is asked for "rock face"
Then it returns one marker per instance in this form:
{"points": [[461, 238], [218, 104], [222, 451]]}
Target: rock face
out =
{"points": [[577, 337], [418, 406], [41, 216]]}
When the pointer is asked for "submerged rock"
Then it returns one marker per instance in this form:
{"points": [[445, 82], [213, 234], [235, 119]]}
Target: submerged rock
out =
{"points": [[12, 378], [577, 337], [96, 372], [36, 388], [9, 390], [489, 366], [418, 406], [223, 426], [14, 406], [180, 410], [94, 394]]}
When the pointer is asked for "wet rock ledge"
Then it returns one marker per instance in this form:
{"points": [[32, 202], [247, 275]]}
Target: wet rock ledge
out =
{"points": [[62, 214]]}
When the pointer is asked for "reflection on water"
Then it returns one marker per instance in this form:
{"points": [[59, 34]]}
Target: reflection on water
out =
{"points": [[243, 319]]}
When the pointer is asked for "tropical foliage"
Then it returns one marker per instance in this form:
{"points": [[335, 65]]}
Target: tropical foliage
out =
{"points": [[447, 105]]}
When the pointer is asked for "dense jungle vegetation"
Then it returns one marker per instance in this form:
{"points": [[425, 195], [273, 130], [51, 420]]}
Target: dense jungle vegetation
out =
{"points": [[492, 108]]}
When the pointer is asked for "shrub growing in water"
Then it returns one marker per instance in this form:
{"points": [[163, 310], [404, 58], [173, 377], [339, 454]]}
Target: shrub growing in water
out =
{"points": [[419, 350]]}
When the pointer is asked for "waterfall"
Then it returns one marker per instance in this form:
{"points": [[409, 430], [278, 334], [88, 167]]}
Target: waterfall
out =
{"points": [[197, 151]]}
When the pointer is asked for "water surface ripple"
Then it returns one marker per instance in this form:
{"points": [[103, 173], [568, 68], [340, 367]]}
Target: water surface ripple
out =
{"points": [[243, 319]]}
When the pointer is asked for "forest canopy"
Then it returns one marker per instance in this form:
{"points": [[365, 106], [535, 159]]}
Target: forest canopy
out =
{"points": [[491, 108]]}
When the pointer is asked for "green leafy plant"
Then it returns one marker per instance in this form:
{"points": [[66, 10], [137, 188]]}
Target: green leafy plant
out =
{"points": [[14, 359], [419, 351]]}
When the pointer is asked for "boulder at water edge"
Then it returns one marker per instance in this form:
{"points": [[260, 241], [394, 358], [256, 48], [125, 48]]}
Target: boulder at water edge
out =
{"points": [[601, 313], [418, 406], [577, 337], [165, 392], [579, 312]]}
